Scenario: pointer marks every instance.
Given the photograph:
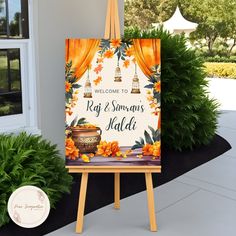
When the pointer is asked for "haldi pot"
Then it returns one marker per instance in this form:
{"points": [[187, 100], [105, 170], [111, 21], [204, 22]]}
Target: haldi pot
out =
{"points": [[86, 139]]}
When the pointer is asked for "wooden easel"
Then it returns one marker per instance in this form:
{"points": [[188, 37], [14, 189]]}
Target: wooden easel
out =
{"points": [[112, 30], [86, 170]]}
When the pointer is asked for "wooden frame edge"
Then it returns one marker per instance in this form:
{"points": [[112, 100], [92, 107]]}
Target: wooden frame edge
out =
{"points": [[114, 169]]}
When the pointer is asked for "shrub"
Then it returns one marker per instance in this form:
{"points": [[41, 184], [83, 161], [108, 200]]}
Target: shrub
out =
{"points": [[189, 116], [30, 160], [220, 59], [221, 70]]}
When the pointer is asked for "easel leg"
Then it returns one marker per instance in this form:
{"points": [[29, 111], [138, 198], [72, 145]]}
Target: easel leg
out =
{"points": [[81, 204], [151, 205], [117, 191]]}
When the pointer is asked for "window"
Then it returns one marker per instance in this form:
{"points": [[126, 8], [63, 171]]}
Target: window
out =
{"points": [[17, 91], [10, 83], [14, 19]]}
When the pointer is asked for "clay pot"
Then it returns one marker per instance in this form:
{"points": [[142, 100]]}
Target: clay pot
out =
{"points": [[86, 139]]}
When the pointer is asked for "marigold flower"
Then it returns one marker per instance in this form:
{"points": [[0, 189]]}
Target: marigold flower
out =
{"points": [[107, 149], [126, 63], [147, 149], [109, 54], [134, 60], [157, 149], [98, 68], [91, 155], [115, 43], [100, 60], [157, 86], [72, 152], [129, 52], [68, 86], [98, 80], [68, 111]]}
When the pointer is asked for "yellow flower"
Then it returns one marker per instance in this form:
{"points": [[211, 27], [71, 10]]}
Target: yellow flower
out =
{"points": [[157, 149], [150, 98], [85, 158]]}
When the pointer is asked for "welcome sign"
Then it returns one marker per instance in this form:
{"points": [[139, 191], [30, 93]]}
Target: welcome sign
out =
{"points": [[112, 91]]}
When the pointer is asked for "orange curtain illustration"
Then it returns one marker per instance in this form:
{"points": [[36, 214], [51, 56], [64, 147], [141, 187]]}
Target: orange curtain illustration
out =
{"points": [[81, 52], [147, 55]]}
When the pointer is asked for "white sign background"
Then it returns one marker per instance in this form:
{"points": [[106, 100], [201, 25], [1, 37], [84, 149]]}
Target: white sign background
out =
{"points": [[145, 119]]}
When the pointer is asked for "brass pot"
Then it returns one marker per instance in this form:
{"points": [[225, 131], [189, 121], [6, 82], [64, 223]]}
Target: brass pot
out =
{"points": [[86, 139]]}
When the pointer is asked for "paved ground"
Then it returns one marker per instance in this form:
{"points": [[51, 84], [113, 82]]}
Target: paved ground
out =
{"points": [[200, 202]]}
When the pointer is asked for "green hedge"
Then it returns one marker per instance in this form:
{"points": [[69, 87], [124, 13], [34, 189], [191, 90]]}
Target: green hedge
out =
{"points": [[231, 59], [189, 116]]}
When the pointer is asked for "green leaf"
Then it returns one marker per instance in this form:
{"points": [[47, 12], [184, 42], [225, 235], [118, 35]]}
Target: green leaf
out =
{"points": [[149, 86], [136, 146], [82, 121], [73, 123], [148, 138], [76, 86]]}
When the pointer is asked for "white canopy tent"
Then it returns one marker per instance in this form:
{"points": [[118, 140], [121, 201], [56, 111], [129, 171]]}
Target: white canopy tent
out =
{"points": [[177, 24]]}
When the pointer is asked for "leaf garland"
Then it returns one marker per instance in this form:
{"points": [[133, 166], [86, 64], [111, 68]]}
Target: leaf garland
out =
{"points": [[148, 138], [70, 87]]}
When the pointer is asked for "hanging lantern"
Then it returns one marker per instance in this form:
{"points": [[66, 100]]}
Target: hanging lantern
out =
{"points": [[88, 88], [135, 82], [118, 73]]}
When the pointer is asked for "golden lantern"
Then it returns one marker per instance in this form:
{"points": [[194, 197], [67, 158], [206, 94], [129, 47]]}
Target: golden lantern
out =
{"points": [[118, 73], [88, 88], [135, 82]]}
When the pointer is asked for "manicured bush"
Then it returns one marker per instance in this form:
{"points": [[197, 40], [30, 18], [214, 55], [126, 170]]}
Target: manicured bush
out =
{"points": [[189, 116], [220, 59], [221, 70], [30, 160]]}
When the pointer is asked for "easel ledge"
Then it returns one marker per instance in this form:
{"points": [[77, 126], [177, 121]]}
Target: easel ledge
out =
{"points": [[85, 170], [114, 169]]}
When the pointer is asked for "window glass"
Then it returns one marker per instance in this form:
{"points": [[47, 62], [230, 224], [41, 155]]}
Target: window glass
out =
{"points": [[15, 25], [3, 19], [10, 82], [14, 19]]}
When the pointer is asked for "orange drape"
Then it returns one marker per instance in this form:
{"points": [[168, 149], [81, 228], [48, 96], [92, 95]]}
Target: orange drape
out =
{"points": [[81, 52], [147, 55]]}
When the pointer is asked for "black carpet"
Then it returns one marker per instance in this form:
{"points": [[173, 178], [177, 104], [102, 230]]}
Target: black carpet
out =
{"points": [[100, 187]]}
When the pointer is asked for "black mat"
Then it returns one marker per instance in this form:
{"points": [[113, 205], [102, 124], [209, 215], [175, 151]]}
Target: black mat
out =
{"points": [[100, 188]]}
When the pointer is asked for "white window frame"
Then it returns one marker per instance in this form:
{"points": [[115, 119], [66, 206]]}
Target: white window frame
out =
{"points": [[28, 120]]}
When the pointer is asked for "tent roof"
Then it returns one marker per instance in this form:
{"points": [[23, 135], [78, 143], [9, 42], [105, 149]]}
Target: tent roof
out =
{"points": [[178, 22]]}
